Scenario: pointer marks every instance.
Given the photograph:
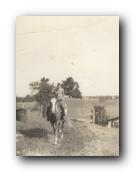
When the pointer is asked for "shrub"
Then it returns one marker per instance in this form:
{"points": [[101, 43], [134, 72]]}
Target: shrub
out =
{"points": [[100, 115], [21, 115]]}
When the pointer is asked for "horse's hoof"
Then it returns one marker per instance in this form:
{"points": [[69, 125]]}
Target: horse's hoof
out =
{"points": [[60, 131], [61, 136], [55, 143]]}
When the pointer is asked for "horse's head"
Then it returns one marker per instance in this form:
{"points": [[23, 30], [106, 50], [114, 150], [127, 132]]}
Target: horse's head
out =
{"points": [[53, 103]]}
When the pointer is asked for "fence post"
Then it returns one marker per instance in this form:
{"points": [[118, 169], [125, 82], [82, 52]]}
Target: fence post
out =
{"points": [[93, 113], [109, 124]]}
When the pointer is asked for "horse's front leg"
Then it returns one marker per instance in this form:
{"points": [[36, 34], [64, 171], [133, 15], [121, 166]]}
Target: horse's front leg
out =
{"points": [[55, 134], [61, 135], [55, 137], [62, 125]]}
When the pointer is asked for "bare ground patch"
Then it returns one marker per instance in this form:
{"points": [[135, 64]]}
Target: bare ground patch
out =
{"points": [[35, 138]]}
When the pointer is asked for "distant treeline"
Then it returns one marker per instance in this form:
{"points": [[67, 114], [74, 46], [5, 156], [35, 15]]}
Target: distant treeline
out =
{"points": [[29, 98], [43, 90], [102, 97]]}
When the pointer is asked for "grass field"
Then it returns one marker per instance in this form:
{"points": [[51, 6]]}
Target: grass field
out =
{"points": [[81, 138]]}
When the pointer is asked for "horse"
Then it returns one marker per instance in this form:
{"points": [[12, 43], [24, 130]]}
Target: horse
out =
{"points": [[54, 115]]}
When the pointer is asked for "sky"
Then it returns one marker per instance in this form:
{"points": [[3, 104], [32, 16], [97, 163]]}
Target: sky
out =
{"points": [[57, 47]]}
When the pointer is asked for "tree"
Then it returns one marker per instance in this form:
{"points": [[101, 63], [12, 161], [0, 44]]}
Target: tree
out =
{"points": [[19, 99], [71, 88], [43, 89], [28, 98], [76, 93]]}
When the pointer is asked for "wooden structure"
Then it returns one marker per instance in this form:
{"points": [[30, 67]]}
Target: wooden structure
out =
{"points": [[106, 117], [113, 122], [21, 114], [95, 111]]}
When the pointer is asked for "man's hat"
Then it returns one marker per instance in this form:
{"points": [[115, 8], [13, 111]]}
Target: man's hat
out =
{"points": [[58, 84]]}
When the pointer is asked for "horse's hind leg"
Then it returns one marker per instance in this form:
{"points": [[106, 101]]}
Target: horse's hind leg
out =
{"points": [[62, 126], [55, 138], [61, 129], [61, 135]]}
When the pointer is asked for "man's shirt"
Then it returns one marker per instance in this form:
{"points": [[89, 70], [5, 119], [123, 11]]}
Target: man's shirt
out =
{"points": [[60, 93]]}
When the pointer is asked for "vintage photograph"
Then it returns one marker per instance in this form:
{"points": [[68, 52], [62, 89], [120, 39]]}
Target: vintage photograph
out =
{"points": [[67, 86]]}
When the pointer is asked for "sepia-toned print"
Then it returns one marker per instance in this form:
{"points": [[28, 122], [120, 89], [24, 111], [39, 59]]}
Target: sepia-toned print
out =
{"points": [[67, 86]]}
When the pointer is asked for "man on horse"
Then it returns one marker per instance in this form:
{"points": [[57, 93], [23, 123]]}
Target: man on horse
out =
{"points": [[55, 110], [59, 94]]}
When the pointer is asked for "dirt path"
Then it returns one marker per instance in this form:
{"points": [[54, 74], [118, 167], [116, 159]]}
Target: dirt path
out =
{"points": [[39, 141], [80, 139]]}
